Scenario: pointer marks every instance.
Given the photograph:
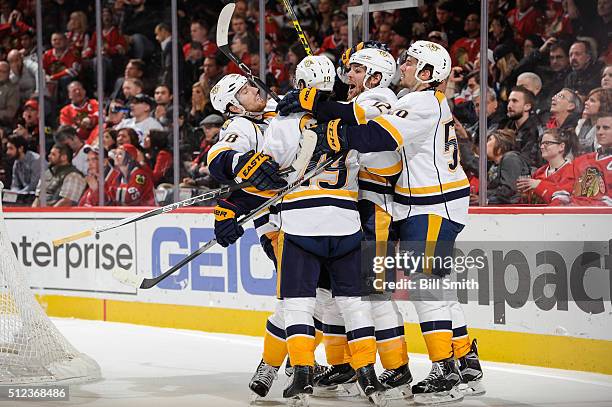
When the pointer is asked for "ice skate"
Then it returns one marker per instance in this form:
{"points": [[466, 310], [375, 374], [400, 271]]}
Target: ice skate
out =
{"points": [[440, 386], [299, 387], [397, 382], [336, 381], [262, 380], [471, 373], [370, 386]]}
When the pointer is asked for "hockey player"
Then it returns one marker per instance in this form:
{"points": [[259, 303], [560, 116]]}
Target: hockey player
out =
{"points": [[320, 228], [238, 155], [370, 71], [431, 201]]}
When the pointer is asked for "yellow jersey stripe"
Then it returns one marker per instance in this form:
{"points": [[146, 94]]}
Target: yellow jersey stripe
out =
{"points": [[434, 188], [213, 154], [440, 96], [263, 194], [372, 177], [279, 262], [386, 171], [359, 114], [319, 192], [385, 124]]}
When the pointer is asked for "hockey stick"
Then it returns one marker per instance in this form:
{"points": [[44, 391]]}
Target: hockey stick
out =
{"points": [[297, 26], [307, 146], [225, 19], [132, 279]]}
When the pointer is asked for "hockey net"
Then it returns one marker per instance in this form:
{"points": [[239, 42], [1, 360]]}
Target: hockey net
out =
{"points": [[32, 350]]}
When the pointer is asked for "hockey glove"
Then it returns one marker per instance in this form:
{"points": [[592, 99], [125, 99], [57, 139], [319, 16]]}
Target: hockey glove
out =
{"points": [[260, 170], [227, 229], [331, 138], [296, 101]]}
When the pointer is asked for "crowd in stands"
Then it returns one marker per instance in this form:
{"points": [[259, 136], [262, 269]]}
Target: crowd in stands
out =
{"points": [[549, 95]]}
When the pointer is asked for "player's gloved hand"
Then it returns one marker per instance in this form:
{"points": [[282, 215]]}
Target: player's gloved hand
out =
{"points": [[227, 229], [260, 170], [331, 137], [296, 101]]}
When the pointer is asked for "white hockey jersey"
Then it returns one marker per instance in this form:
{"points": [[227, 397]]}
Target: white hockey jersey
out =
{"points": [[432, 180], [421, 128], [327, 205], [376, 167], [241, 134]]}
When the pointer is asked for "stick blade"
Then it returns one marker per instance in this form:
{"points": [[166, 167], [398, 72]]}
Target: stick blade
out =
{"points": [[223, 24], [72, 238], [127, 277], [308, 143]]}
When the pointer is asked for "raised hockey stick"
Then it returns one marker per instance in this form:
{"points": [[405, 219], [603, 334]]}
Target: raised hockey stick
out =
{"points": [[130, 278], [307, 146], [225, 19], [297, 26]]}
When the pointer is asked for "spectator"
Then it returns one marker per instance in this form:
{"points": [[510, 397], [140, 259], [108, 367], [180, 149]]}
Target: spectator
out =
{"points": [[163, 35], [131, 87], [133, 70], [565, 109], [524, 123], [64, 183], [77, 36], [586, 70], [239, 25], [23, 73], [326, 10], [200, 104], [533, 83], [28, 46], [193, 63], [606, 77], [26, 168], [466, 48], [61, 65], [242, 48], [526, 20], [158, 156], [163, 101], [198, 170], [114, 47], [141, 107], [333, 41], [67, 135], [508, 165], [495, 114], [9, 96], [199, 33], [91, 197], [599, 100], [129, 183], [593, 171], [212, 71], [29, 127], [500, 32], [109, 139], [559, 66], [127, 135], [557, 150], [117, 111], [137, 25], [447, 22], [81, 113]]}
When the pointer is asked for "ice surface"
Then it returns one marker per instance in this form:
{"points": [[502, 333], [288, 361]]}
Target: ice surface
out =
{"points": [[159, 367]]}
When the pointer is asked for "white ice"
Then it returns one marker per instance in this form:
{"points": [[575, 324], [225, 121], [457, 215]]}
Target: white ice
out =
{"points": [[159, 367]]}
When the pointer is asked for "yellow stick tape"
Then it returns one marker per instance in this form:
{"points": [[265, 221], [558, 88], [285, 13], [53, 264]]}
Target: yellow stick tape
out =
{"points": [[72, 238]]}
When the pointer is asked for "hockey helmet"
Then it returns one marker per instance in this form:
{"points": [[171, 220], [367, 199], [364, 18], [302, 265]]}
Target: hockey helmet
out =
{"points": [[375, 60], [224, 92], [430, 53], [316, 71]]}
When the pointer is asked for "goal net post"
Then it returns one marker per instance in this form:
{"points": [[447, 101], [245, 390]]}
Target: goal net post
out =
{"points": [[32, 350]]}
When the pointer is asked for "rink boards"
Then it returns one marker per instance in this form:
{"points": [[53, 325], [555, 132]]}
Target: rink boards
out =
{"points": [[232, 290]]}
